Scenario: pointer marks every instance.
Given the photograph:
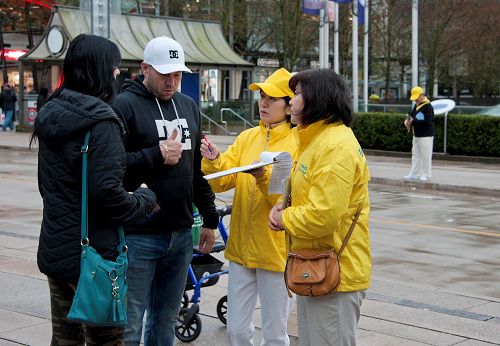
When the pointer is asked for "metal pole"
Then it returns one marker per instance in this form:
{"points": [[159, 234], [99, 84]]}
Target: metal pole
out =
{"points": [[414, 43], [4, 69], [336, 37], [365, 59], [445, 131], [21, 103], [355, 92], [321, 39], [100, 18], [326, 39]]}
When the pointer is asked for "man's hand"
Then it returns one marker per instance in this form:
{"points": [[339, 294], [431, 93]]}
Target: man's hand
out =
{"points": [[207, 239], [171, 149], [275, 217]]}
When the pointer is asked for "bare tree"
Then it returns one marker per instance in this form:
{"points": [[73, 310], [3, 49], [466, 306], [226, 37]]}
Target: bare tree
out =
{"points": [[481, 41], [287, 28], [440, 25], [391, 38]]}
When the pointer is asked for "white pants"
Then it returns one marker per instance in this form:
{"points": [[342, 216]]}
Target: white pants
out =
{"points": [[421, 156], [329, 320], [245, 285]]}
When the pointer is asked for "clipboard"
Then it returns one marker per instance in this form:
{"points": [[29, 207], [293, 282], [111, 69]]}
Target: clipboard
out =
{"points": [[238, 169]]}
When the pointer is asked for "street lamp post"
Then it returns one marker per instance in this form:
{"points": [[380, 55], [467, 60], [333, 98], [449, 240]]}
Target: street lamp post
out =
{"points": [[414, 43], [3, 20]]}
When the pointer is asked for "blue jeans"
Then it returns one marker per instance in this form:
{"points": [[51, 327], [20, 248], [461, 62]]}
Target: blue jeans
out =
{"points": [[8, 120], [156, 277]]}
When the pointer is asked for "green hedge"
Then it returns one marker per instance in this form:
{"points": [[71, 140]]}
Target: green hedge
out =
{"points": [[472, 135]]}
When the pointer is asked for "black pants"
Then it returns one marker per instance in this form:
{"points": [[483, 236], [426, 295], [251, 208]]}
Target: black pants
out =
{"points": [[65, 332]]}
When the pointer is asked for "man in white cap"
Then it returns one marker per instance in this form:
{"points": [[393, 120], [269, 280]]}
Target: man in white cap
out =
{"points": [[162, 140], [421, 121]]}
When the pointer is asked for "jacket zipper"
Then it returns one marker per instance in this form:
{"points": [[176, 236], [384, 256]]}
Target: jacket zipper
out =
{"points": [[266, 144]]}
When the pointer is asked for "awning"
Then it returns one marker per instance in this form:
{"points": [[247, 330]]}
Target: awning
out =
{"points": [[203, 41]]}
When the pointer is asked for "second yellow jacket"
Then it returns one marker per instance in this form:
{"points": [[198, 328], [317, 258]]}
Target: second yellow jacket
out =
{"points": [[329, 184], [251, 243]]}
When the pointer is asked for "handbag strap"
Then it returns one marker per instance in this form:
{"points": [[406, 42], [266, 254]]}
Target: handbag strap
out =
{"points": [[348, 235], [84, 220]]}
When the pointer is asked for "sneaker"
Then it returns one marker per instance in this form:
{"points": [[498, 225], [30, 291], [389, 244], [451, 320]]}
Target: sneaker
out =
{"points": [[423, 179], [410, 177]]}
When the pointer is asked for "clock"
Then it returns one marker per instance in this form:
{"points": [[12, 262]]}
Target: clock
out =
{"points": [[56, 41]]}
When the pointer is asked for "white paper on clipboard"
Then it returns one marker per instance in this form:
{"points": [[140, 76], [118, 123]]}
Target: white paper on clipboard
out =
{"points": [[282, 164]]}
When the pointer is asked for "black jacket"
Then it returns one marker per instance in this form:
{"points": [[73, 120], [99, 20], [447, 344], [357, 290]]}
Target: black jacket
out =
{"points": [[61, 126], [8, 100], [177, 186], [423, 120]]}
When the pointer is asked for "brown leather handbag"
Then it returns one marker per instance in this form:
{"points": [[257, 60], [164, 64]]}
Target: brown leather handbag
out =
{"points": [[313, 273]]}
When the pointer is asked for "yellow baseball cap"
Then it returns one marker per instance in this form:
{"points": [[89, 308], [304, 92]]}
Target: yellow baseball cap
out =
{"points": [[276, 85], [416, 92]]}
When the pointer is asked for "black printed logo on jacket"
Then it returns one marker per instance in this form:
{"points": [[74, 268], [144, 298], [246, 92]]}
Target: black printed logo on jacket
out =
{"points": [[165, 129]]}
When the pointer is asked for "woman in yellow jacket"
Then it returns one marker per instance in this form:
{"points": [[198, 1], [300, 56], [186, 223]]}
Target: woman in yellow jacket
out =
{"points": [[257, 256], [329, 183]]}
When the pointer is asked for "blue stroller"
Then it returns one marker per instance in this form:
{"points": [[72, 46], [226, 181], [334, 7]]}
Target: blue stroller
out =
{"points": [[203, 271]]}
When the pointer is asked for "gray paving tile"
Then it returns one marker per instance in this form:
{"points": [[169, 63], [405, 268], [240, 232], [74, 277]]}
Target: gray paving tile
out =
{"points": [[24, 295], [408, 332], [12, 321], [473, 343], [370, 338], [488, 308], [22, 267], [26, 254], [37, 335], [459, 326], [17, 242]]}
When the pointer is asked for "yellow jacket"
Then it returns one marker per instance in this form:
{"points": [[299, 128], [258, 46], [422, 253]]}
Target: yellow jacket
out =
{"points": [[329, 182], [251, 243]]}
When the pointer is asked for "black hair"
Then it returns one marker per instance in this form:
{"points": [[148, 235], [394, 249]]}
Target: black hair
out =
{"points": [[326, 96], [44, 91], [88, 69], [89, 64]]}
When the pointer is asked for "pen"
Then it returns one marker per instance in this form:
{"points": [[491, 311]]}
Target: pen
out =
{"points": [[208, 143]]}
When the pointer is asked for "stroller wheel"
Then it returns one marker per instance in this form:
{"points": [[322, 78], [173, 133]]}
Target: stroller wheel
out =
{"points": [[185, 300], [222, 309], [187, 331]]}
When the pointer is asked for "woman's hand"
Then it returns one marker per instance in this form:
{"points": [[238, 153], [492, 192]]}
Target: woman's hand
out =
{"points": [[408, 122], [275, 217], [257, 172], [208, 149]]}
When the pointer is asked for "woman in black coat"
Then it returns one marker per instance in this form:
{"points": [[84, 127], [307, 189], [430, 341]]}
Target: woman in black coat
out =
{"points": [[80, 105]]}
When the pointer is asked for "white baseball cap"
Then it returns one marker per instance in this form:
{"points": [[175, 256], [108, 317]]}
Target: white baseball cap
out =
{"points": [[165, 55]]}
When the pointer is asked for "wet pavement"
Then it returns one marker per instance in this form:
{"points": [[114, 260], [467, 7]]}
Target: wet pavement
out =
{"points": [[435, 248]]}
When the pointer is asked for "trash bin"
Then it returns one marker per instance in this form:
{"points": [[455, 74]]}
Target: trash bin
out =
{"points": [[28, 120]]}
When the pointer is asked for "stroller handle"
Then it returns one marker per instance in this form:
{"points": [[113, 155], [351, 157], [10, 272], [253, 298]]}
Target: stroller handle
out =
{"points": [[224, 210]]}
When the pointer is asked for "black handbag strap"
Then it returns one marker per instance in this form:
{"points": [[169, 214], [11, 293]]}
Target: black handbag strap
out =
{"points": [[84, 221]]}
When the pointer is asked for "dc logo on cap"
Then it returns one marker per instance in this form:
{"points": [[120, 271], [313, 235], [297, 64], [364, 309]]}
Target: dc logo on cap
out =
{"points": [[174, 54]]}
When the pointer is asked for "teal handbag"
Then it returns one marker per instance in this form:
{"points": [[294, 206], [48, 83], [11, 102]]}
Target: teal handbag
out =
{"points": [[100, 297]]}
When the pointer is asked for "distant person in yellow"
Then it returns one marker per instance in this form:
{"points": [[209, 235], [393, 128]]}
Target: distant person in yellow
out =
{"points": [[257, 256], [421, 121]]}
